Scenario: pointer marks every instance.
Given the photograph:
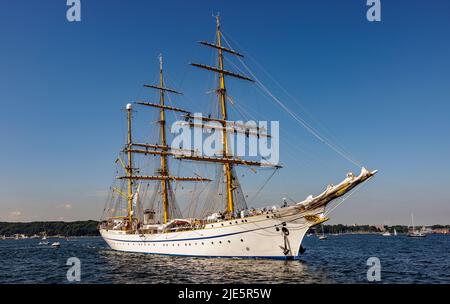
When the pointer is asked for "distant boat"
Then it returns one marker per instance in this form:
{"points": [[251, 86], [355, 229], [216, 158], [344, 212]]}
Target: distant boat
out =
{"points": [[395, 232], [387, 233], [323, 236], [43, 243], [414, 232], [56, 244]]}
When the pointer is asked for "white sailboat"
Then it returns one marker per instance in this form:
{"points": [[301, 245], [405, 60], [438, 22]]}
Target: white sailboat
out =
{"points": [[414, 232], [395, 232], [323, 236], [228, 228]]}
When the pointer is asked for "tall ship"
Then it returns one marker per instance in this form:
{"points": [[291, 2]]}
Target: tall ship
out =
{"points": [[143, 213]]}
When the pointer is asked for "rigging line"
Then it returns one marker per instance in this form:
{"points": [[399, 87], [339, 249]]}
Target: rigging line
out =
{"points": [[345, 198], [294, 149], [177, 86], [314, 132], [240, 110], [171, 103], [289, 95], [263, 185], [288, 142], [302, 122]]}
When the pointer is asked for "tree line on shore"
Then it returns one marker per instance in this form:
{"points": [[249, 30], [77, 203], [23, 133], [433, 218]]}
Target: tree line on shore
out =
{"points": [[78, 228]]}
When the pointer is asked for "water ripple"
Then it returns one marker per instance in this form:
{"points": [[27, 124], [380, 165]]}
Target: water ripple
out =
{"points": [[339, 259]]}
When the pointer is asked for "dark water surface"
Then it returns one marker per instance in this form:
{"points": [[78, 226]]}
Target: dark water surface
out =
{"points": [[339, 259]]}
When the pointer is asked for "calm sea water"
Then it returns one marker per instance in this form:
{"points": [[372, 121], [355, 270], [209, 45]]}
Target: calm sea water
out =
{"points": [[339, 259]]}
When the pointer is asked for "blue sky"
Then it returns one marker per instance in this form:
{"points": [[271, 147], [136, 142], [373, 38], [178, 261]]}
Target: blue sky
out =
{"points": [[381, 89]]}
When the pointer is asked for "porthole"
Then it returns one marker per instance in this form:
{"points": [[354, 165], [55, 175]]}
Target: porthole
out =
{"points": [[220, 242], [222, 224], [242, 240], [229, 241], [203, 243], [236, 222], [212, 243]]}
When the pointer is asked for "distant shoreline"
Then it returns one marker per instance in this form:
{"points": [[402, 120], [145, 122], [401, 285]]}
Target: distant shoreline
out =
{"points": [[51, 228], [61, 229]]}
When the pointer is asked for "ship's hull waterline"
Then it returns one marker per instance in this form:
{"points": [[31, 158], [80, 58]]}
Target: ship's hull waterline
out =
{"points": [[263, 236]]}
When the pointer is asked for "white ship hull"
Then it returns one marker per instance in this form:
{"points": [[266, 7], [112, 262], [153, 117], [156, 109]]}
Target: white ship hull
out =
{"points": [[275, 234], [262, 236]]}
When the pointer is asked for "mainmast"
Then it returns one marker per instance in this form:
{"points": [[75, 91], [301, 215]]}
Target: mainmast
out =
{"points": [[222, 93], [227, 158], [129, 168], [163, 171]]}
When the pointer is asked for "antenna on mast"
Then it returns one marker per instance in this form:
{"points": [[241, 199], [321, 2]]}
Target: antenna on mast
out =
{"points": [[217, 16]]}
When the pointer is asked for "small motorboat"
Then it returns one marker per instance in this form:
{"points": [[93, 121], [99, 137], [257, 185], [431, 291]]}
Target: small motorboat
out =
{"points": [[44, 243], [56, 244]]}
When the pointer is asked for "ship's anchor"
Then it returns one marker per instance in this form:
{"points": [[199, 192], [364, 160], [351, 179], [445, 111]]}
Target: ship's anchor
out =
{"points": [[286, 249]]}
